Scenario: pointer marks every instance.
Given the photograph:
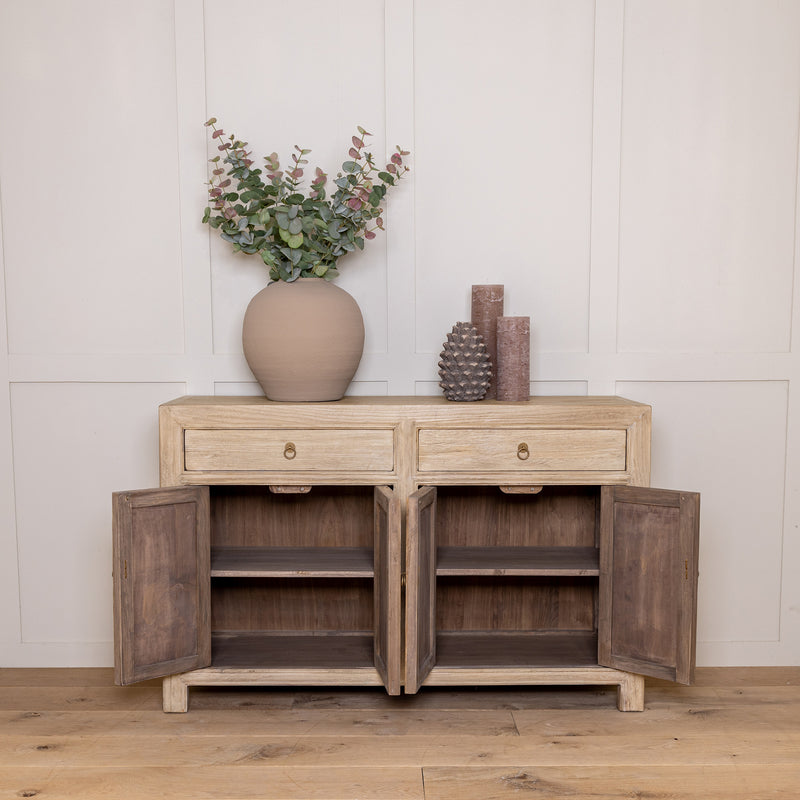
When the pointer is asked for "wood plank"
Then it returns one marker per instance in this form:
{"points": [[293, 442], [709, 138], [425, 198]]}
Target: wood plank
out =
{"points": [[517, 561], [288, 450], [700, 782], [646, 748], [266, 650], [746, 677], [420, 643], [262, 720], [495, 650], [498, 449], [278, 562], [386, 601], [648, 582], [330, 516], [221, 783], [161, 582]]}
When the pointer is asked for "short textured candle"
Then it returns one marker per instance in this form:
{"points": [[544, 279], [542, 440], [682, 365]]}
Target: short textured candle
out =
{"points": [[513, 358], [487, 306]]}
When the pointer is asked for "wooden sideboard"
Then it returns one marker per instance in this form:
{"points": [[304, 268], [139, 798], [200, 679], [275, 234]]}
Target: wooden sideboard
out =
{"points": [[404, 542]]}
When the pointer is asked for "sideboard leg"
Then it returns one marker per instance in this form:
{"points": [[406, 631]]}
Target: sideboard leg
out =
{"points": [[630, 693], [175, 694]]}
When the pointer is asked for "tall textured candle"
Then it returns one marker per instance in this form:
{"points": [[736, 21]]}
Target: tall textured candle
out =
{"points": [[487, 306], [513, 358]]}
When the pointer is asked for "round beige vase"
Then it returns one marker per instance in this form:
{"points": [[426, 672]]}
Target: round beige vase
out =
{"points": [[303, 340]]}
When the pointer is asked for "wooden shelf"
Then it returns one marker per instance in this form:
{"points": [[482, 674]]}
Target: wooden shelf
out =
{"points": [[544, 561], [280, 650], [496, 649], [288, 562]]}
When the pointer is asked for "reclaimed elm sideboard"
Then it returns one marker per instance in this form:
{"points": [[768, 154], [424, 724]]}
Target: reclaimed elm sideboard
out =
{"points": [[404, 542]]}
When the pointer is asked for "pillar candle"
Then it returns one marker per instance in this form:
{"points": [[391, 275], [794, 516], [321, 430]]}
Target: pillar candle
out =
{"points": [[487, 306], [513, 358]]}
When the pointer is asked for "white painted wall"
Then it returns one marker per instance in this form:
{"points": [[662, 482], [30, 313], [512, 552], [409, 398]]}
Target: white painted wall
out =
{"points": [[629, 171]]}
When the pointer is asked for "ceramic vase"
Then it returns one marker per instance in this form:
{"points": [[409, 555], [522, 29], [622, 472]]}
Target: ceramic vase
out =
{"points": [[303, 340]]}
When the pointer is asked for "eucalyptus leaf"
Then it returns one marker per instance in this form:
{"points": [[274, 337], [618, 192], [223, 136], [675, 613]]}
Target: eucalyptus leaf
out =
{"points": [[286, 218]]}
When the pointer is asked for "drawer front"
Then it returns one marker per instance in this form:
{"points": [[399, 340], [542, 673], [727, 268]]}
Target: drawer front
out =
{"points": [[521, 450], [289, 450]]}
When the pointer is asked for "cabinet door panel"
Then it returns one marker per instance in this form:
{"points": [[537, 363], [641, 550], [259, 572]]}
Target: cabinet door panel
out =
{"points": [[161, 582], [387, 602], [648, 581], [420, 587]]}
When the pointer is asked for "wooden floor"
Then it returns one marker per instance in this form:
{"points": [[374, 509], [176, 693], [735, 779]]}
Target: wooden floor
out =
{"points": [[735, 735]]}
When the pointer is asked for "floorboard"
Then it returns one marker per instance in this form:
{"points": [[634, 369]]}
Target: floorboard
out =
{"points": [[734, 735]]}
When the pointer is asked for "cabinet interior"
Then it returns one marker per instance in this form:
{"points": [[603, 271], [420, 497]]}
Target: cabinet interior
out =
{"points": [[292, 576], [516, 576]]}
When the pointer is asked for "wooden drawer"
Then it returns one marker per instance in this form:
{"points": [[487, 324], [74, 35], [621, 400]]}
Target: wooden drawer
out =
{"points": [[292, 450], [521, 450]]}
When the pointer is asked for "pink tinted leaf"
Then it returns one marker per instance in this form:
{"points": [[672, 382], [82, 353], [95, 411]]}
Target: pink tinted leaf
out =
{"points": [[354, 203], [357, 142], [396, 158], [369, 235]]}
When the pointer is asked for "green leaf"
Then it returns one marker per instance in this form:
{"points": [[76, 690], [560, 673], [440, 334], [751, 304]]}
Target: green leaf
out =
{"points": [[282, 218], [263, 216], [386, 178], [295, 199], [296, 225], [295, 241], [293, 211], [320, 270], [334, 228], [206, 215], [350, 166]]}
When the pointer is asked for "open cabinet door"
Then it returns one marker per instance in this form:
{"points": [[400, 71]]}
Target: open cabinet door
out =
{"points": [[420, 587], [387, 588], [161, 582], [648, 581]]}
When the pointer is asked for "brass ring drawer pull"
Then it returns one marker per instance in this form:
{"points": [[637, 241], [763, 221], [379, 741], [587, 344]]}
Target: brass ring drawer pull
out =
{"points": [[290, 451], [522, 451]]}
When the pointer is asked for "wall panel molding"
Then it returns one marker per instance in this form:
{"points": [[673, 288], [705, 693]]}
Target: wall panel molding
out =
{"points": [[592, 278]]}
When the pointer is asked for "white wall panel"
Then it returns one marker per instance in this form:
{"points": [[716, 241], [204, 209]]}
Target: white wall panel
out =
{"points": [[88, 172], [503, 163], [711, 96], [309, 76], [727, 440], [73, 445], [627, 168]]}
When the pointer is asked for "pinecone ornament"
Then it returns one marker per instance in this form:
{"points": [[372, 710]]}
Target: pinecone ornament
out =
{"points": [[465, 368]]}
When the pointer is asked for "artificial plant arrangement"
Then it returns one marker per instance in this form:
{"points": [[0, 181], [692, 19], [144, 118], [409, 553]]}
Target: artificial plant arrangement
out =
{"points": [[298, 233]]}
